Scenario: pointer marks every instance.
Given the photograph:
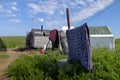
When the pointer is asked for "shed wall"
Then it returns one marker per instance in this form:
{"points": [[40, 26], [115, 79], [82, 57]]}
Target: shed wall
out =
{"points": [[40, 41], [100, 42]]}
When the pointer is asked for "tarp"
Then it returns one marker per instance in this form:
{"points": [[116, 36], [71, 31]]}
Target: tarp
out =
{"points": [[79, 46]]}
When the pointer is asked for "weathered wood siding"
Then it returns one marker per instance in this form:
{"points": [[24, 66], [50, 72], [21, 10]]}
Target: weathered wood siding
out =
{"points": [[40, 41]]}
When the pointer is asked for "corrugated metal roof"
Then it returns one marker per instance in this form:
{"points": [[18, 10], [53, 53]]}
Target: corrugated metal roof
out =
{"points": [[99, 30], [34, 30], [37, 32]]}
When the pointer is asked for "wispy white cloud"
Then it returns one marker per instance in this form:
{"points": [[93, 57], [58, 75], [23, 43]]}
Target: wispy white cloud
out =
{"points": [[34, 8], [1, 7], [61, 12], [14, 3], [41, 20], [54, 24], [15, 8], [8, 9], [6, 12], [55, 10], [43, 7], [8, 15], [91, 10], [81, 2], [15, 20], [90, 1]]}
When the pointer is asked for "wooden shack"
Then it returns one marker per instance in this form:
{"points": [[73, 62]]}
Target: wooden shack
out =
{"points": [[37, 38]]}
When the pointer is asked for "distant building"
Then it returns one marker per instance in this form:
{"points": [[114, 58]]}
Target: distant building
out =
{"points": [[101, 36], [64, 28], [37, 38]]}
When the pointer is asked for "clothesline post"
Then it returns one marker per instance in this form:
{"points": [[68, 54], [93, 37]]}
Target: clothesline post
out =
{"points": [[68, 18]]}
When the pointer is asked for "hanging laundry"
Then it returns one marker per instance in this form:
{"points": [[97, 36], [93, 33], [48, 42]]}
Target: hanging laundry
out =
{"points": [[63, 41], [79, 46], [54, 37]]}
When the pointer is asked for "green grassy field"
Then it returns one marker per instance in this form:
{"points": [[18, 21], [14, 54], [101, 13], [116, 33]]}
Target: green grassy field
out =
{"points": [[106, 66], [14, 41]]}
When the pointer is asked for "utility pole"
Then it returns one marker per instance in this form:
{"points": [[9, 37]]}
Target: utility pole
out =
{"points": [[32, 22]]}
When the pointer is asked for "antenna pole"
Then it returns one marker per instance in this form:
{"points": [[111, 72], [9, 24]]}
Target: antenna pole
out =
{"points": [[41, 28], [32, 22]]}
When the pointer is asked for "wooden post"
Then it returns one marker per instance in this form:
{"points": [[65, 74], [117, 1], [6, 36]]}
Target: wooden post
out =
{"points": [[68, 18]]}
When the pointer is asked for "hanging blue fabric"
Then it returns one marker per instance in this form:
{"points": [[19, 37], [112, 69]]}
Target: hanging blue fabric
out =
{"points": [[79, 46]]}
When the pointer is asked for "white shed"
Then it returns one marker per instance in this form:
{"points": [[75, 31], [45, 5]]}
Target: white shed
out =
{"points": [[101, 37]]}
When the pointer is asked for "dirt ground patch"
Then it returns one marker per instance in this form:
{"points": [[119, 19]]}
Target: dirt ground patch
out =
{"points": [[4, 63]]}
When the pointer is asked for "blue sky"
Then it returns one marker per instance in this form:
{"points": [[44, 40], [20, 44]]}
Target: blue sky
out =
{"points": [[19, 16]]}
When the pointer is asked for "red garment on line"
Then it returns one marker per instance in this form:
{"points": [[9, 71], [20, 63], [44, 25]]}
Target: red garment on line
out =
{"points": [[53, 34]]}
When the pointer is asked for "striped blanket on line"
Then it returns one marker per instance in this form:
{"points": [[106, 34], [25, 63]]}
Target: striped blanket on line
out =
{"points": [[79, 46]]}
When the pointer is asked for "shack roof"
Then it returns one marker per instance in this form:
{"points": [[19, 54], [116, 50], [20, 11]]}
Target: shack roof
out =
{"points": [[99, 30], [37, 32]]}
